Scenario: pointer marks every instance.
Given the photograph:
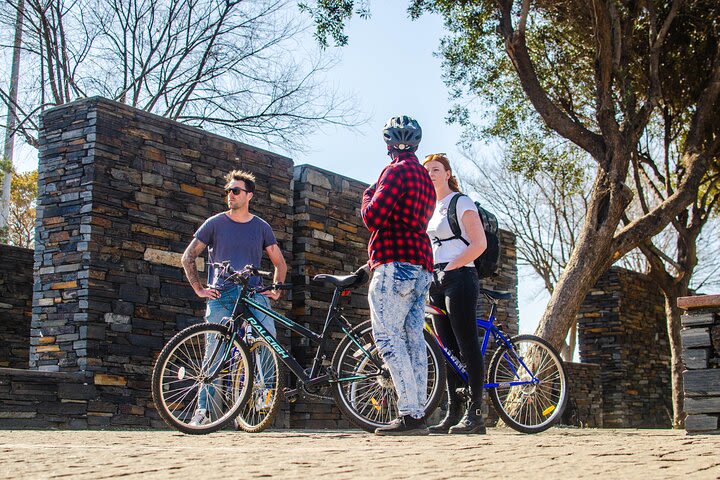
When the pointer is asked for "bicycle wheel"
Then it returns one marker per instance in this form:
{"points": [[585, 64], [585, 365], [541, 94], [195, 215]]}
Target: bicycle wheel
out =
{"points": [[260, 410], [183, 371], [368, 396], [537, 399]]}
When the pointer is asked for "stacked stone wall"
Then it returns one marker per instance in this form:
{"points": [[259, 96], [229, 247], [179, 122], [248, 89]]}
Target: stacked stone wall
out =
{"points": [[36, 399], [585, 396], [16, 279], [622, 328], [700, 339]]}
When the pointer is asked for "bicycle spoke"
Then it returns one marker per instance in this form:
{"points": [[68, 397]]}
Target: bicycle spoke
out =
{"points": [[205, 349], [260, 409], [537, 401]]}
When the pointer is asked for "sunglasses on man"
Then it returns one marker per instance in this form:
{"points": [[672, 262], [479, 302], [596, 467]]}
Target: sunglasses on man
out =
{"points": [[235, 190]]}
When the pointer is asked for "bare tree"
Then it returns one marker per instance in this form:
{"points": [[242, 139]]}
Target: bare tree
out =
{"points": [[236, 67], [6, 161]]}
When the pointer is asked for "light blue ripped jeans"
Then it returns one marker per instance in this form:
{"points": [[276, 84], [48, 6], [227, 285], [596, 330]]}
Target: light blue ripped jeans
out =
{"points": [[397, 297], [223, 307]]}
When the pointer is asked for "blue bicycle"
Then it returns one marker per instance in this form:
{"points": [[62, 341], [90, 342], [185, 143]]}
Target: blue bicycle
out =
{"points": [[526, 380]]}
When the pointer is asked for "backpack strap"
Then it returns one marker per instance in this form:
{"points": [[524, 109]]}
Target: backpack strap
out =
{"points": [[453, 221]]}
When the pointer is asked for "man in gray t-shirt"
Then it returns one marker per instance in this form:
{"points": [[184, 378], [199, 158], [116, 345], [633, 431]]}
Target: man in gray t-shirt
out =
{"points": [[240, 243], [239, 237]]}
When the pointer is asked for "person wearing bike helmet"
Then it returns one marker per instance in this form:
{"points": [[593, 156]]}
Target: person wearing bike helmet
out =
{"points": [[239, 237], [455, 289], [396, 210]]}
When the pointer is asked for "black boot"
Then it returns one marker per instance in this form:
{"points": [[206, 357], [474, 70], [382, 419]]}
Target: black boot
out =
{"points": [[405, 425], [451, 418], [472, 421]]}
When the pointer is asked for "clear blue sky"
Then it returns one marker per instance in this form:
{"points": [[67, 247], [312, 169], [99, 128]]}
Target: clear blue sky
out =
{"points": [[390, 68]]}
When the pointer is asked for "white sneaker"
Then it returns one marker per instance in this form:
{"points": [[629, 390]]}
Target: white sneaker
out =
{"points": [[200, 418]]}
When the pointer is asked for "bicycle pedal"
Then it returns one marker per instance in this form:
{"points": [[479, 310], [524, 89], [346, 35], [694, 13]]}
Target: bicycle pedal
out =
{"points": [[462, 393], [291, 394]]}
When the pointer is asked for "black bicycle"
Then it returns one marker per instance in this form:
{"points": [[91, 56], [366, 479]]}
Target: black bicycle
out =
{"points": [[241, 367]]}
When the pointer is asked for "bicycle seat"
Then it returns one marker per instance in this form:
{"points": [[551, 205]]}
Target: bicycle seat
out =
{"points": [[504, 295], [337, 280]]}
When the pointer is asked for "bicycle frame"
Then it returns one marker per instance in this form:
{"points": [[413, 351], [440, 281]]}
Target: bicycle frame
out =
{"points": [[490, 329], [333, 316]]}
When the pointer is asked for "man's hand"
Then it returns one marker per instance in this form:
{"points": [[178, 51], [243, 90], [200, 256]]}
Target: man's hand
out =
{"points": [[278, 261], [210, 293], [272, 294]]}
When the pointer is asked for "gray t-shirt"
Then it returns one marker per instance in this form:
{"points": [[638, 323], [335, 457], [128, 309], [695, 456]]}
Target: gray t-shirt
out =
{"points": [[239, 243]]}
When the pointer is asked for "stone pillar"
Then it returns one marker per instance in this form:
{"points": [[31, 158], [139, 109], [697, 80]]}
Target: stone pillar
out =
{"points": [[330, 237], [121, 193], [622, 327], [61, 328], [505, 280], [701, 355]]}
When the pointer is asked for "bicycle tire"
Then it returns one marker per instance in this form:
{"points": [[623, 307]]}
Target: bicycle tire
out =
{"points": [[371, 402], [176, 384], [530, 408], [262, 407]]}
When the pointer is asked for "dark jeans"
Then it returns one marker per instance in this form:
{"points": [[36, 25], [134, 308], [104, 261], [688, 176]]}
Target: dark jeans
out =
{"points": [[456, 292]]}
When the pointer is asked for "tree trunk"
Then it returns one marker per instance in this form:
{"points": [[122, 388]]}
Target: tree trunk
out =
{"points": [[591, 257], [673, 313], [11, 116]]}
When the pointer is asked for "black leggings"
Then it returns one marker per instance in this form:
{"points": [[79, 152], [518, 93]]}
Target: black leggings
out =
{"points": [[456, 292]]}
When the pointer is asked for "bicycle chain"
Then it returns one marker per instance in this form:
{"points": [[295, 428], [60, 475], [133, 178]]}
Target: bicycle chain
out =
{"points": [[314, 395]]}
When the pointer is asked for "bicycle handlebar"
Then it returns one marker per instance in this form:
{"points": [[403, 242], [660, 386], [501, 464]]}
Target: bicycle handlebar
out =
{"points": [[229, 274]]}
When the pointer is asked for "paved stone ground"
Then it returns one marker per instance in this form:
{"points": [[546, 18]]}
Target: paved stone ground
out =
{"points": [[557, 454]]}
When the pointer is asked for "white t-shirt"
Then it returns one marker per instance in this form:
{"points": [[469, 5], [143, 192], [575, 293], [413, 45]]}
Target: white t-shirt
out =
{"points": [[439, 227]]}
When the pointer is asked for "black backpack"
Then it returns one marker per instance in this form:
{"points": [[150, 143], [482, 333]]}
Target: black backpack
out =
{"points": [[488, 263]]}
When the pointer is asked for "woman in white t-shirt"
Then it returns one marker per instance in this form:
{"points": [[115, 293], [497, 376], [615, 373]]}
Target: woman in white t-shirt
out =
{"points": [[455, 289]]}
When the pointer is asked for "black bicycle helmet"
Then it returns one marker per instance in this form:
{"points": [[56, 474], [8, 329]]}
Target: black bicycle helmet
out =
{"points": [[402, 133]]}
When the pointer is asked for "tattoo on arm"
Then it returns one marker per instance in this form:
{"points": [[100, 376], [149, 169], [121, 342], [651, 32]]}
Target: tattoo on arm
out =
{"points": [[191, 253]]}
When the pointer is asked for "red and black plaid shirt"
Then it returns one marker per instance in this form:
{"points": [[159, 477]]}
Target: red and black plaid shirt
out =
{"points": [[397, 211]]}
